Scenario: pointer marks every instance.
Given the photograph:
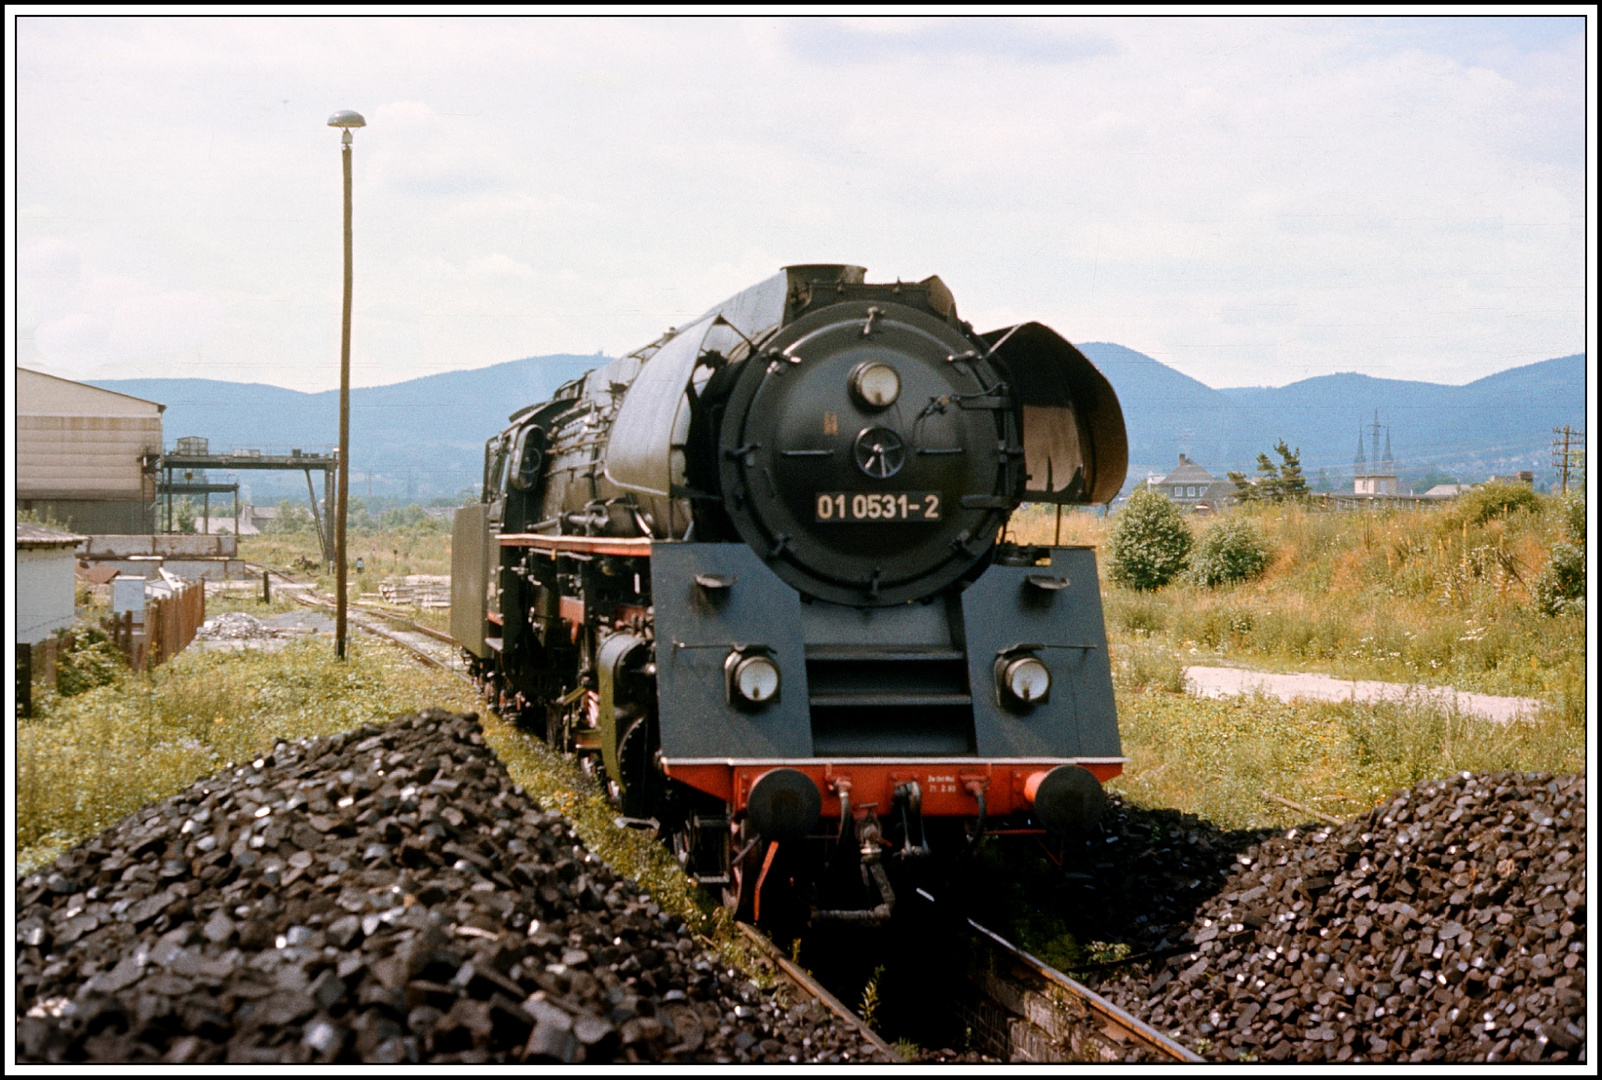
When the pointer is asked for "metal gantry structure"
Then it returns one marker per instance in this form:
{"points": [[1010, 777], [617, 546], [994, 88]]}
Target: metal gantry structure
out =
{"points": [[187, 463]]}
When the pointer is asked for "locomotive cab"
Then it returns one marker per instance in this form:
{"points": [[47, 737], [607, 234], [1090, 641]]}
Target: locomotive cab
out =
{"points": [[754, 572]]}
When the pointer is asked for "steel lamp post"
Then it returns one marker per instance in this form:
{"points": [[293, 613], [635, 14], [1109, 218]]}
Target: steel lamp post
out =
{"points": [[346, 120]]}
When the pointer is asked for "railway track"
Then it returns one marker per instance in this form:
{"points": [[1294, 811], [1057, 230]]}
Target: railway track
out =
{"points": [[430, 645], [1017, 1007], [439, 649], [1024, 1010]]}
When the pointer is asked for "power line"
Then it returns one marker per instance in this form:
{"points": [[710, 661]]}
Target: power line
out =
{"points": [[1563, 457]]}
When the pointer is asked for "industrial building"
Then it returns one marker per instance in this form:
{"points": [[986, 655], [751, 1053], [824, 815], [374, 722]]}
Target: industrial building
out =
{"points": [[86, 457]]}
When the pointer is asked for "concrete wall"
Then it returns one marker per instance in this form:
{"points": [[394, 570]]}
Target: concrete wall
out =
{"points": [[188, 569], [96, 515], [172, 545], [45, 592]]}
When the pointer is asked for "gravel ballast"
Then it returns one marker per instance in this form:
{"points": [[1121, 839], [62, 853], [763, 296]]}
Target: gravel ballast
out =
{"points": [[387, 895]]}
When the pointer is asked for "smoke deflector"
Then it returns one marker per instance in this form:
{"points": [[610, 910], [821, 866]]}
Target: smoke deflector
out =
{"points": [[1076, 450]]}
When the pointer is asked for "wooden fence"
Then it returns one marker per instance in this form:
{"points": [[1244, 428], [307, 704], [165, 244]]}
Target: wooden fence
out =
{"points": [[170, 625]]}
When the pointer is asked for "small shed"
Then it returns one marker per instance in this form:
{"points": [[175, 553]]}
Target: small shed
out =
{"points": [[46, 580]]}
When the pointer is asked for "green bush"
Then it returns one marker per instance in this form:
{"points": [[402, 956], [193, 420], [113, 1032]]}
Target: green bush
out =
{"points": [[1572, 509], [1498, 500], [91, 661], [1232, 550], [1560, 590], [1149, 544]]}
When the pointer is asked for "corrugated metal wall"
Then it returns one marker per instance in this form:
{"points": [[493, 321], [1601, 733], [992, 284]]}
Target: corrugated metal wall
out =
{"points": [[76, 457], [81, 454]]}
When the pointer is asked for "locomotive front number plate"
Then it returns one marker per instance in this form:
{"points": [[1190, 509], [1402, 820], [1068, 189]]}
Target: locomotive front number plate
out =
{"points": [[858, 506]]}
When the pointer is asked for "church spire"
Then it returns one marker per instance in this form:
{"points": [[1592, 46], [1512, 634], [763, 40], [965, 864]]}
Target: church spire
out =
{"points": [[1390, 465], [1360, 466]]}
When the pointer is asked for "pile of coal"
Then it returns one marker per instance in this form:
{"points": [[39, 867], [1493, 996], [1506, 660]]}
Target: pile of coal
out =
{"points": [[953, 1057], [1138, 879], [1448, 924], [385, 895]]}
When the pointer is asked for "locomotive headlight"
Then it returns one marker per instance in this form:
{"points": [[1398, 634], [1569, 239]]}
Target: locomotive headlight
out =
{"points": [[754, 677], [1025, 679], [875, 385]]}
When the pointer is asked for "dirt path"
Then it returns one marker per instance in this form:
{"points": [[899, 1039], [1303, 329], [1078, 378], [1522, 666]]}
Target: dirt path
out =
{"points": [[1215, 682]]}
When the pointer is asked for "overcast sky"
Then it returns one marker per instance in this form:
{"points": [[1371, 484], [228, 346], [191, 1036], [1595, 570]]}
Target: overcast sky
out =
{"points": [[1252, 201]]}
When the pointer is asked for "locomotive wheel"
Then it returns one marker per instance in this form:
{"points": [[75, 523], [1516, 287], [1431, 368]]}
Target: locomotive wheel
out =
{"points": [[640, 783]]}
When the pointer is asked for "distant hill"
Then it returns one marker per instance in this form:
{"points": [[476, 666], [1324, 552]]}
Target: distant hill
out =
{"points": [[1166, 412], [1498, 424], [420, 438], [425, 437]]}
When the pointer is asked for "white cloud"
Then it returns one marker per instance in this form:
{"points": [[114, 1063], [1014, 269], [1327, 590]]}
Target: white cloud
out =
{"points": [[107, 302], [1251, 200]]}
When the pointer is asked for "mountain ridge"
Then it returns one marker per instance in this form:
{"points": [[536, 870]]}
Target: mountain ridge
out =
{"points": [[424, 437]]}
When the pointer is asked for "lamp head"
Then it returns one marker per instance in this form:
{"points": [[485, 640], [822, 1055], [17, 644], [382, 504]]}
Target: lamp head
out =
{"points": [[346, 118]]}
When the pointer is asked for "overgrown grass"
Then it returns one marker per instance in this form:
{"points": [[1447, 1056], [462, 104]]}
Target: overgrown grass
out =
{"points": [[385, 554], [1437, 597], [1215, 757], [85, 761], [1425, 596], [221, 601]]}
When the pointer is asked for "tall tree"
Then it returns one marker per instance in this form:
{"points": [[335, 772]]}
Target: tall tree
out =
{"points": [[1273, 483], [1292, 484]]}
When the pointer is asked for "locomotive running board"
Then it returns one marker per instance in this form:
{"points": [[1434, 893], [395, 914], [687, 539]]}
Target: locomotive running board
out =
{"points": [[584, 545]]}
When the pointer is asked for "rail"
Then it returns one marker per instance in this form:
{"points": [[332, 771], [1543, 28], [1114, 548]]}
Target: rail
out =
{"points": [[808, 986], [799, 978], [359, 610], [1032, 1012]]}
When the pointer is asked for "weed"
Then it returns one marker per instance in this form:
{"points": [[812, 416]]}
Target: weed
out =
{"points": [[1402, 596], [1106, 952], [1497, 499], [86, 760], [907, 1050], [869, 1007], [1214, 757], [1152, 666], [89, 661], [1129, 611], [1560, 590]]}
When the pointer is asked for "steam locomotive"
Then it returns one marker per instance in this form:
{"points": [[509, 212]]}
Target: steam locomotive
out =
{"points": [[754, 575]]}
